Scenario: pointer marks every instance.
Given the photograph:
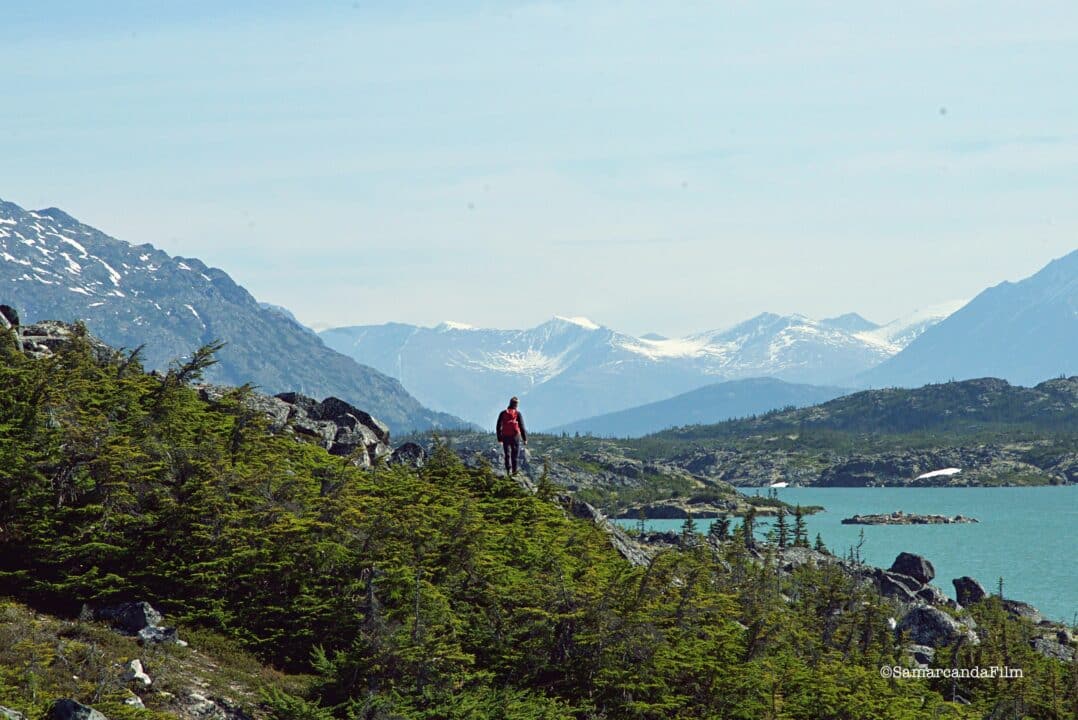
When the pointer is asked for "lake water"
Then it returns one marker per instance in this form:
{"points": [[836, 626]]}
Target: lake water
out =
{"points": [[1028, 536]]}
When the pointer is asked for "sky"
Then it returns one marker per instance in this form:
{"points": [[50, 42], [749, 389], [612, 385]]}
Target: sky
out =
{"points": [[657, 167]]}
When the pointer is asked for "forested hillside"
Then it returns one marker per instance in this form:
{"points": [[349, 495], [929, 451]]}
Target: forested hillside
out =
{"points": [[443, 592]]}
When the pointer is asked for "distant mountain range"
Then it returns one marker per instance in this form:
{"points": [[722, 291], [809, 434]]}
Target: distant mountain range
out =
{"points": [[54, 267], [1024, 332], [565, 370], [703, 406], [572, 368]]}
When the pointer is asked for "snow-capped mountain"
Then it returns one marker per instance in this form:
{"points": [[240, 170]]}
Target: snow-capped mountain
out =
{"points": [[572, 368], [1024, 332], [54, 267]]}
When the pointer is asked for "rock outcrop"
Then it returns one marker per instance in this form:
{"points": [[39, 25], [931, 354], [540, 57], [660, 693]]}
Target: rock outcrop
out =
{"points": [[927, 625], [1052, 649], [43, 339], [128, 617], [72, 710], [968, 591], [915, 566], [134, 672], [339, 427], [203, 707], [628, 548], [139, 619], [410, 454]]}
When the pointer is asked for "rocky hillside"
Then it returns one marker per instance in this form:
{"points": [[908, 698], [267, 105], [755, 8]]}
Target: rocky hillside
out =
{"points": [[1023, 332], [967, 407], [568, 369], [992, 432], [52, 267]]}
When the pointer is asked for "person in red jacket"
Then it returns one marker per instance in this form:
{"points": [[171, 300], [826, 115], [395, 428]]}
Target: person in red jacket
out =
{"points": [[511, 433]]}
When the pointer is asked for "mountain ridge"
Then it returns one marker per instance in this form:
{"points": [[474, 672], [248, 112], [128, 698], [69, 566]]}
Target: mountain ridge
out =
{"points": [[567, 369], [1022, 331], [54, 267]]}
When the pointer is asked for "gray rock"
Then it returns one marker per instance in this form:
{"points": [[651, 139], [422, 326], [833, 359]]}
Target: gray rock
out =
{"points": [[275, 410], [915, 566], [134, 672], [324, 432], [130, 617], [1052, 649], [44, 338], [201, 707], [896, 586], [922, 655], [72, 710], [301, 404], [380, 451], [791, 558], [134, 701], [158, 635], [9, 318], [8, 713], [337, 410], [968, 591], [1065, 636], [931, 626], [351, 436], [410, 454], [933, 596], [1022, 610]]}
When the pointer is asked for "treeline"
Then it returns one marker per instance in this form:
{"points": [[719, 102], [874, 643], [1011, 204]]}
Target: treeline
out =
{"points": [[445, 592]]}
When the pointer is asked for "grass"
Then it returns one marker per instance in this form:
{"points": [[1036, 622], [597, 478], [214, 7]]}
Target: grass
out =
{"points": [[43, 658]]}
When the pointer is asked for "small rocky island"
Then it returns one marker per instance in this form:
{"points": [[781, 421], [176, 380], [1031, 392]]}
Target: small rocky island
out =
{"points": [[900, 518]]}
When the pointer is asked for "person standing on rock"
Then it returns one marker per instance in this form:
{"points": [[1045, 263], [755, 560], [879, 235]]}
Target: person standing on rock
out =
{"points": [[511, 434]]}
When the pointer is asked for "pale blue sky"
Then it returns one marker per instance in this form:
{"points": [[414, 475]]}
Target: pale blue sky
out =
{"points": [[655, 166]]}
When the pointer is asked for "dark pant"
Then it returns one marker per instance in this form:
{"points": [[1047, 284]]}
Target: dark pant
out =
{"points": [[512, 451]]}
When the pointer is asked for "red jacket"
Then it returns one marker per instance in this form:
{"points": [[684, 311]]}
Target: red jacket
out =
{"points": [[511, 424]]}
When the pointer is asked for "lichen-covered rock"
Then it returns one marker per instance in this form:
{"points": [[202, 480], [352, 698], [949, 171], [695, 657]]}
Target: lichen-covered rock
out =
{"points": [[159, 635], [130, 617], [410, 454], [931, 626], [1052, 649]]}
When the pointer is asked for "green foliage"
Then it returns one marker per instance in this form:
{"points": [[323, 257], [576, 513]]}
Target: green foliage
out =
{"points": [[447, 592]]}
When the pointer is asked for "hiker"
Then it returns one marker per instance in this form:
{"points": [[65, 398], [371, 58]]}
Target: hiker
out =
{"points": [[511, 434]]}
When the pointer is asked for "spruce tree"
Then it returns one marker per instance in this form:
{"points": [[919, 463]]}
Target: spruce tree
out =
{"points": [[748, 522], [688, 532], [720, 528], [800, 531], [820, 547], [782, 532]]}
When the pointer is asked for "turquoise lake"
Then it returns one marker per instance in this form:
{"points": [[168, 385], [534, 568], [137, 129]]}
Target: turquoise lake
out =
{"points": [[1027, 536]]}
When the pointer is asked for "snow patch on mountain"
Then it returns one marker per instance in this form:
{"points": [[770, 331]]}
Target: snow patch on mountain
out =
{"points": [[899, 333], [579, 320]]}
